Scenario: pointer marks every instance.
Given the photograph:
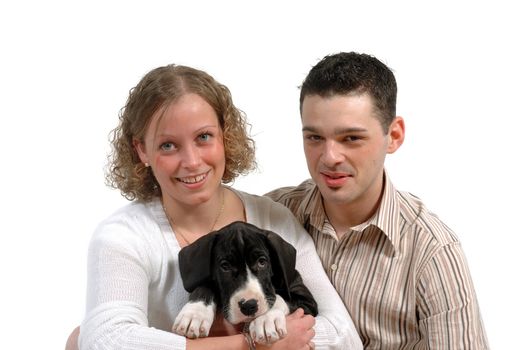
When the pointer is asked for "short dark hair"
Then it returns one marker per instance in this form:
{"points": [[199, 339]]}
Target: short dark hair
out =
{"points": [[353, 73]]}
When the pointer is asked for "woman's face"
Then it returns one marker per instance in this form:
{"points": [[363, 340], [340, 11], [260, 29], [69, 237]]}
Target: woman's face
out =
{"points": [[184, 146]]}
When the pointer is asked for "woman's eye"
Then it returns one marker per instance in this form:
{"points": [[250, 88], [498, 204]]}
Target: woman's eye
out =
{"points": [[167, 146], [204, 137]]}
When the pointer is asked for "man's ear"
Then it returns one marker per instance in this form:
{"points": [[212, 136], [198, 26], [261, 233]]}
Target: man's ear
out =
{"points": [[140, 149], [396, 134]]}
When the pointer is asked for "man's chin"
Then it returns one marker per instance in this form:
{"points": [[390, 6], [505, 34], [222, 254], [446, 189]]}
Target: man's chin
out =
{"points": [[335, 194]]}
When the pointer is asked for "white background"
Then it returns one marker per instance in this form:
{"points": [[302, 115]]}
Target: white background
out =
{"points": [[66, 68]]}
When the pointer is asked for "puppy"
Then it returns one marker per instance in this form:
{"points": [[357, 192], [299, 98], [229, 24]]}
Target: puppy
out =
{"points": [[247, 273]]}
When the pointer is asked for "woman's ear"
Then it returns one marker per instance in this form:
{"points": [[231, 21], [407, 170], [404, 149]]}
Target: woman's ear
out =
{"points": [[396, 134], [140, 149]]}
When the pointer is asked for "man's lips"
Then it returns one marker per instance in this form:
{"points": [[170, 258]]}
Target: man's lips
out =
{"points": [[335, 179]]}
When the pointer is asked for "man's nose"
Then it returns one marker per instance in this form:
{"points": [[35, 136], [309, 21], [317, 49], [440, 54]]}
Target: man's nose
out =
{"points": [[332, 154]]}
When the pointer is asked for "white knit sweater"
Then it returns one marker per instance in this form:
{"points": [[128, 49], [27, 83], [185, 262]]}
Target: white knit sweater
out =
{"points": [[135, 289]]}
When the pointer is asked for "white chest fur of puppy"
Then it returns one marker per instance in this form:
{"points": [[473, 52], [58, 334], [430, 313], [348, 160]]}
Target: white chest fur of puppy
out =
{"points": [[246, 273]]}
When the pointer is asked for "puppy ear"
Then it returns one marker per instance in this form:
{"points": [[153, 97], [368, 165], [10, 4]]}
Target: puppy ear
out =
{"points": [[283, 261], [286, 279], [194, 262]]}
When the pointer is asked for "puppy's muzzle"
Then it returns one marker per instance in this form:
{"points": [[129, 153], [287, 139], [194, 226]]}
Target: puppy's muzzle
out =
{"points": [[248, 307]]}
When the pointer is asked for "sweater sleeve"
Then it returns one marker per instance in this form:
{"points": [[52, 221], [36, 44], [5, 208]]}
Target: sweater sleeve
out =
{"points": [[119, 272], [334, 328]]}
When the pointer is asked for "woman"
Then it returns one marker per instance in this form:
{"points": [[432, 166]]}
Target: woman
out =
{"points": [[180, 139]]}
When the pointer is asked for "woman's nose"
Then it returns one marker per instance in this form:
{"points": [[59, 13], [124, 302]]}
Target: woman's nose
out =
{"points": [[191, 157]]}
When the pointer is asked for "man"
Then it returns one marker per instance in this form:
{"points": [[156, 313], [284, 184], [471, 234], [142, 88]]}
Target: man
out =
{"points": [[400, 271]]}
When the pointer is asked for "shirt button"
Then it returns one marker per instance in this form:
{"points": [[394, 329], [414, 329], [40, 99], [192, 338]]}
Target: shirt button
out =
{"points": [[334, 267]]}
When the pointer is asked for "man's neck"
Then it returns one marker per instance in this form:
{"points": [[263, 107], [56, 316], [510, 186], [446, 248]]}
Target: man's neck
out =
{"points": [[345, 216]]}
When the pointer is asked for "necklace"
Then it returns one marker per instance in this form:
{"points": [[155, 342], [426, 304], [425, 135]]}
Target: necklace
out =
{"points": [[213, 224]]}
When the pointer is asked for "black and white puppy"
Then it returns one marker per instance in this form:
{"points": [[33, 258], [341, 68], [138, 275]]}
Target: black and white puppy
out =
{"points": [[247, 273]]}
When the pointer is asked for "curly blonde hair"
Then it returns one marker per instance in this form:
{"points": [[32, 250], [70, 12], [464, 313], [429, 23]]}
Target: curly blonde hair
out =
{"points": [[157, 89]]}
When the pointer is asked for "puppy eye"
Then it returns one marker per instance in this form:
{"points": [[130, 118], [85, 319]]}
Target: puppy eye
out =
{"points": [[262, 262], [225, 266]]}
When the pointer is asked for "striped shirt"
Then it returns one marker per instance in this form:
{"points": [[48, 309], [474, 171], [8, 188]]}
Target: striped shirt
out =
{"points": [[402, 274]]}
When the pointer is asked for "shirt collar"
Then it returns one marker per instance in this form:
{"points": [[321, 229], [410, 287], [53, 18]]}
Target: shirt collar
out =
{"points": [[312, 207], [386, 218]]}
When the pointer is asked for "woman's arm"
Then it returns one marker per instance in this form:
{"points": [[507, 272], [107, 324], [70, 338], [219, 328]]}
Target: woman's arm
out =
{"points": [[121, 266], [120, 270], [334, 328], [300, 332]]}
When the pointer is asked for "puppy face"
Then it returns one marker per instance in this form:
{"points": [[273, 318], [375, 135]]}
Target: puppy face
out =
{"points": [[242, 273]]}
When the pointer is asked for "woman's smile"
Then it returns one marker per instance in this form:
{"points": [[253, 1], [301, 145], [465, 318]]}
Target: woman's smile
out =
{"points": [[193, 180]]}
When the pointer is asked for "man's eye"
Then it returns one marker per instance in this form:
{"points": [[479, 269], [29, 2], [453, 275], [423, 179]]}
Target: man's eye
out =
{"points": [[352, 138], [313, 137]]}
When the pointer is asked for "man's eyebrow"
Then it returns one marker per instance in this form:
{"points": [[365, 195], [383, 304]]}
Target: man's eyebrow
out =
{"points": [[350, 130], [309, 128], [337, 131]]}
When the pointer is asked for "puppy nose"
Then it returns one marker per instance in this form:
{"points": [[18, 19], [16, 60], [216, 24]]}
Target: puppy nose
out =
{"points": [[248, 307]]}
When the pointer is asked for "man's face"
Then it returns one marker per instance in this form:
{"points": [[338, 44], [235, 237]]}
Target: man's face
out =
{"points": [[345, 147]]}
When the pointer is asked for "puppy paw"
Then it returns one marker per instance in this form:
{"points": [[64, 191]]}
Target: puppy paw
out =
{"points": [[269, 327], [194, 320]]}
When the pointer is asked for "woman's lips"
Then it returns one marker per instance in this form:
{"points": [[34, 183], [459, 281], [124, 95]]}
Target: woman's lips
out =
{"points": [[193, 181]]}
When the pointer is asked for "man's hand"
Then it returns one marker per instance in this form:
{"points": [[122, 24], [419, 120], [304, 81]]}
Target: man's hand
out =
{"points": [[300, 333]]}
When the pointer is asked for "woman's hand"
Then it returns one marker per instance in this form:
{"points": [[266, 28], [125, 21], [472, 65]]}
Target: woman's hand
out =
{"points": [[299, 331]]}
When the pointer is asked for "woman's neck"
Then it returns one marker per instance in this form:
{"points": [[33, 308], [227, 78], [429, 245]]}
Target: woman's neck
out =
{"points": [[194, 221], [190, 222]]}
